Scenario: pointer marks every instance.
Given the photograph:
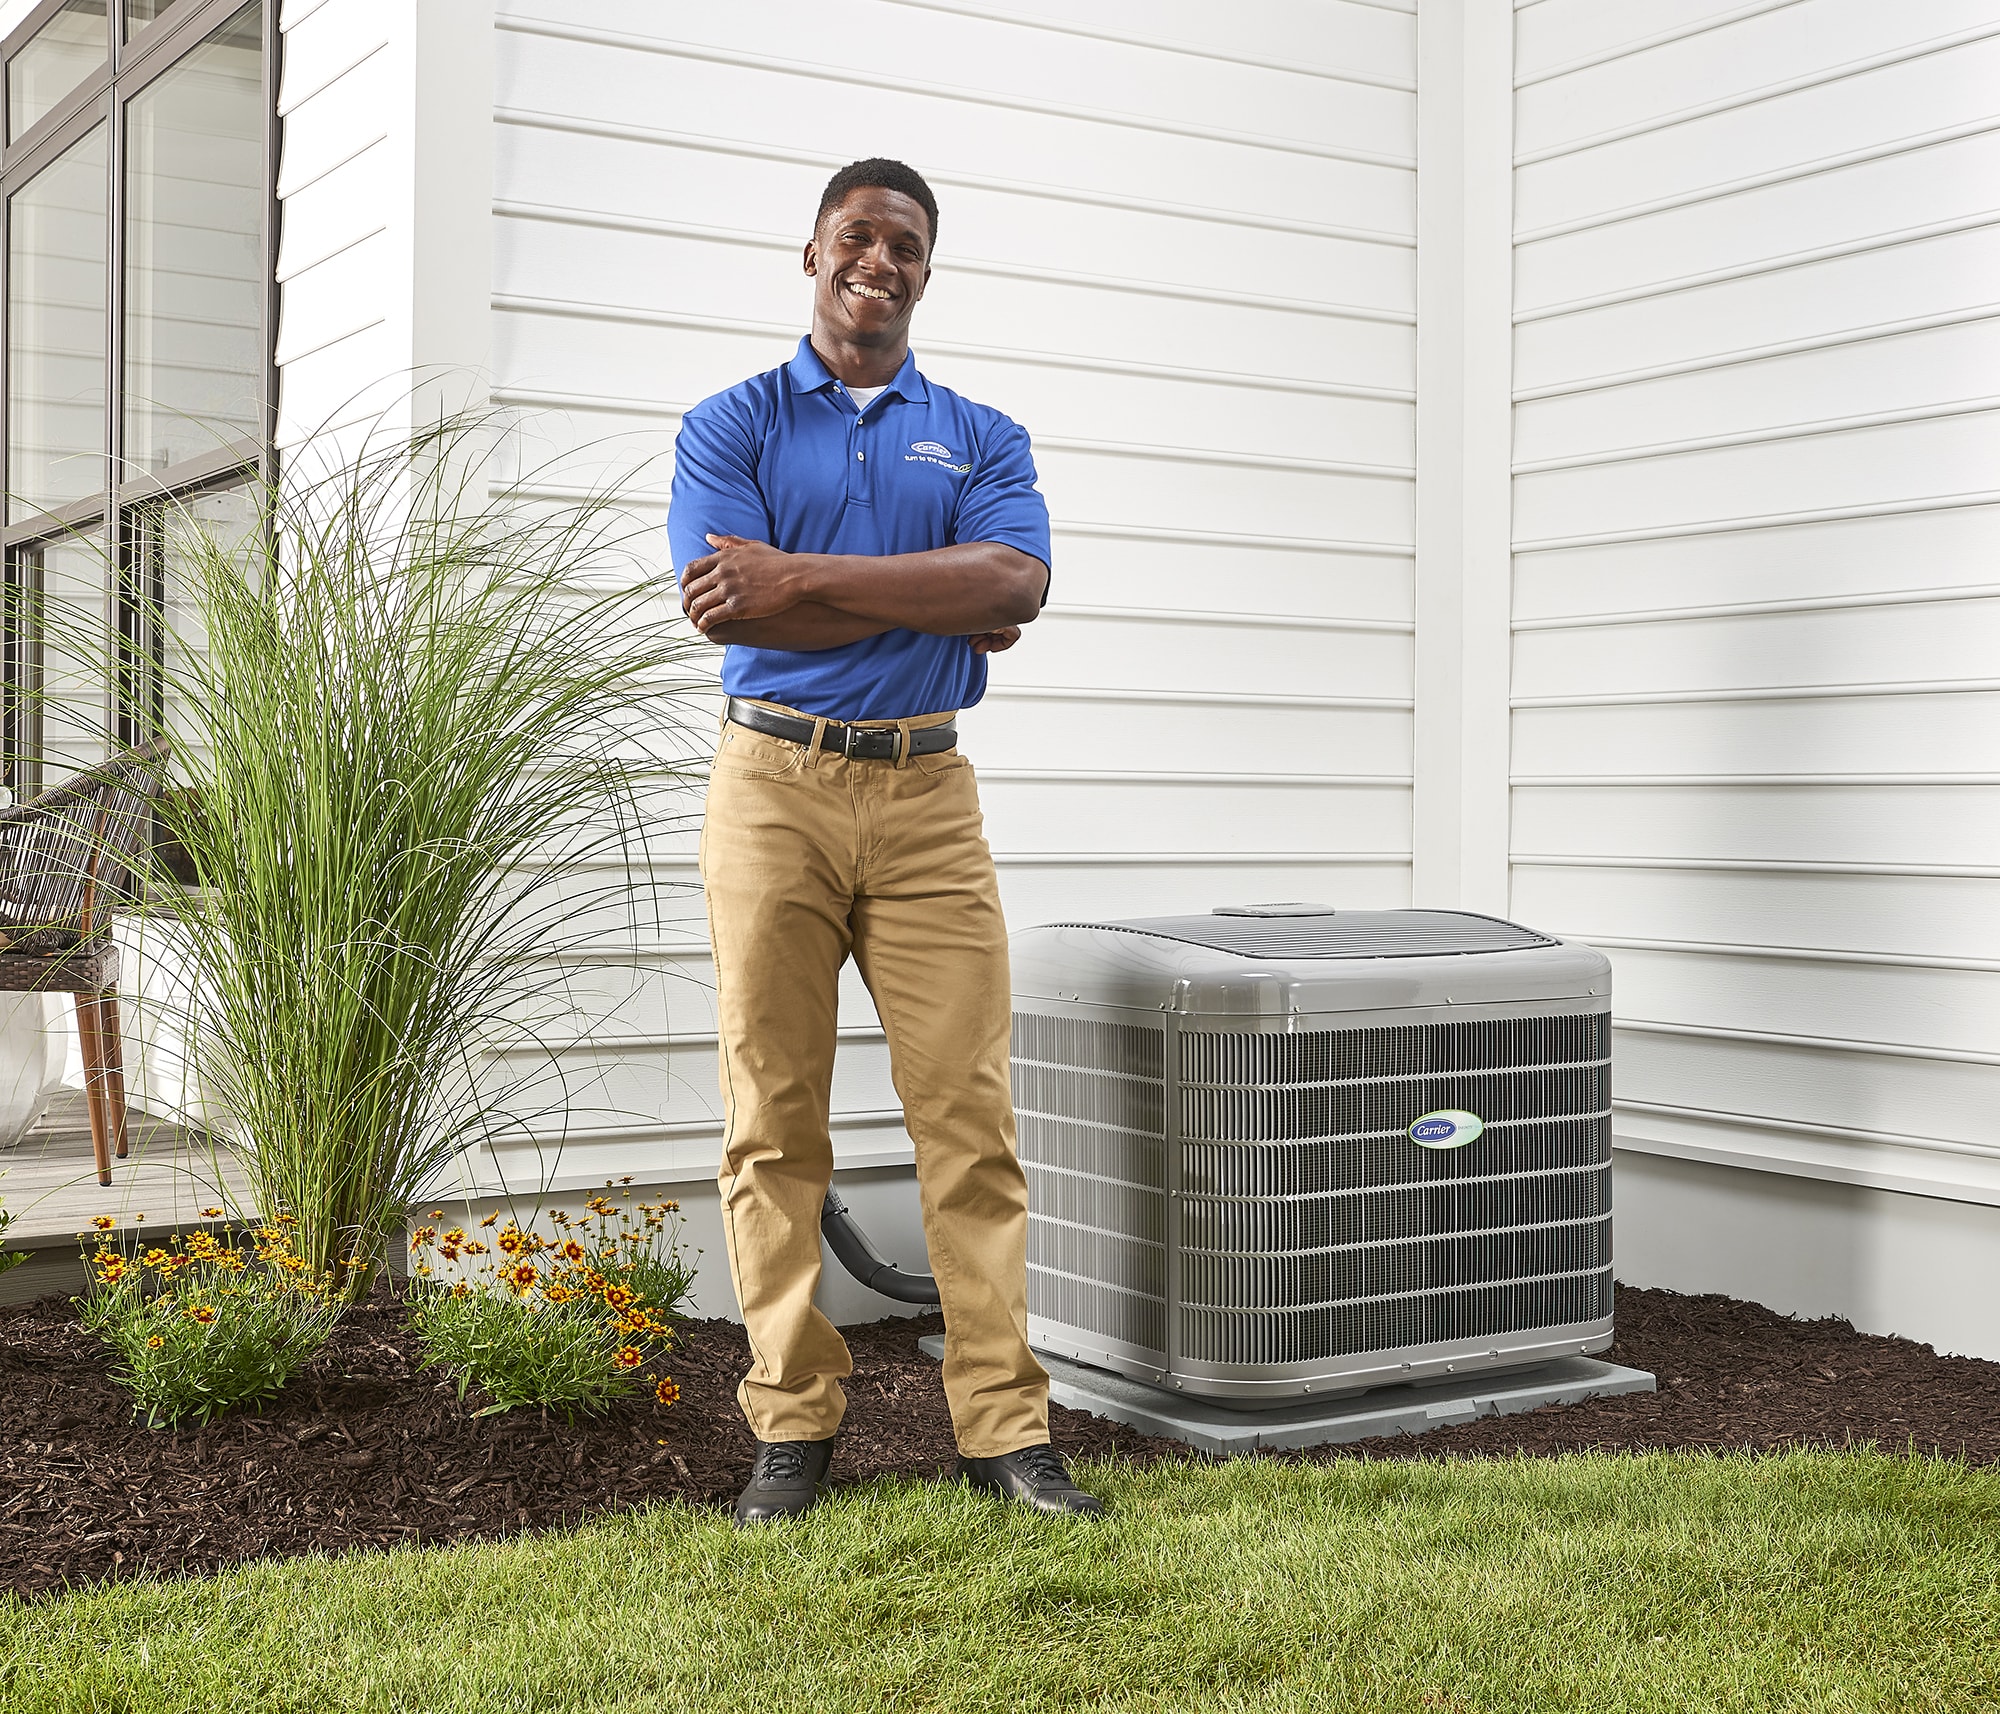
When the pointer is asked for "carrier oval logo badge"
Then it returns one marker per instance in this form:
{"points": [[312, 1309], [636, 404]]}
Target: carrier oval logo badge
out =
{"points": [[930, 448], [1448, 1128]]}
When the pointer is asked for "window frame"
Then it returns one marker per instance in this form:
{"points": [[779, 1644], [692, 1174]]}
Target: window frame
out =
{"points": [[130, 66]]}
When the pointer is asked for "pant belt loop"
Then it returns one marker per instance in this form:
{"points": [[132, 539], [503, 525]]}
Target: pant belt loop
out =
{"points": [[812, 743], [902, 743]]}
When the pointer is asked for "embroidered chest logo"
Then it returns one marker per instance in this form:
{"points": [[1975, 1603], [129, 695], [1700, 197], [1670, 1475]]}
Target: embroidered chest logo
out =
{"points": [[931, 452]]}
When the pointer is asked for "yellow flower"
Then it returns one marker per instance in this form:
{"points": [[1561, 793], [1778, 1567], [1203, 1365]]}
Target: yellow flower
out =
{"points": [[618, 1296], [202, 1313], [665, 1391], [211, 1214], [155, 1342], [629, 1357], [522, 1277], [511, 1238], [461, 1290], [157, 1258], [488, 1221], [110, 1269], [103, 1222]]}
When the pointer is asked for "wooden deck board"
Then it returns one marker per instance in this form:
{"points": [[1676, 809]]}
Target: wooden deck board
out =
{"points": [[48, 1181]]}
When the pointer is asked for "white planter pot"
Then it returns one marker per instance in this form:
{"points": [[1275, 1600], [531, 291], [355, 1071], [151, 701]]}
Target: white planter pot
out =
{"points": [[32, 1050]]}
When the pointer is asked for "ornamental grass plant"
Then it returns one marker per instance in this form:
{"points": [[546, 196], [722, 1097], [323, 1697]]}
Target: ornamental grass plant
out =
{"points": [[197, 1326], [10, 1259], [418, 740], [571, 1322]]}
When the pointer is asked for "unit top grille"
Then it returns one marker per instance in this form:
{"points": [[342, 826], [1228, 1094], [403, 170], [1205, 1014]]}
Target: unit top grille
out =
{"points": [[1336, 934]]}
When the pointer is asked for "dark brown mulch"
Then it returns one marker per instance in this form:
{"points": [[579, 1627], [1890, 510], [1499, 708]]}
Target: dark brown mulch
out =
{"points": [[364, 1451]]}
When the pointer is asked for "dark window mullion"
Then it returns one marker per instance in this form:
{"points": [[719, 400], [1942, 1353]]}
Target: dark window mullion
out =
{"points": [[125, 618]]}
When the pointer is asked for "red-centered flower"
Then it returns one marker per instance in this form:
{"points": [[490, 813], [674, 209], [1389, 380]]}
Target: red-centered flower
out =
{"points": [[522, 1277], [665, 1391], [202, 1313], [211, 1214], [103, 1222], [511, 1238], [629, 1357]]}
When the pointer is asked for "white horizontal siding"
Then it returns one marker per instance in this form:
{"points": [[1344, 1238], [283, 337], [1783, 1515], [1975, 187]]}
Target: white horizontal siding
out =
{"points": [[1179, 247], [342, 265], [1756, 744]]}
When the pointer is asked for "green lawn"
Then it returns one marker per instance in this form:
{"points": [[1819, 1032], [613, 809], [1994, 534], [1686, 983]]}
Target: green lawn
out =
{"points": [[1668, 1582]]}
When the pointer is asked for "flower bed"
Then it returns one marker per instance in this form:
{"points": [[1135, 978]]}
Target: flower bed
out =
{"points": [[365, 1449]]}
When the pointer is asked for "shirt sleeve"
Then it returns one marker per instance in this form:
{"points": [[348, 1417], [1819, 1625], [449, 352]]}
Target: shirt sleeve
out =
{"points": [[715, 488], [1000, 502]]}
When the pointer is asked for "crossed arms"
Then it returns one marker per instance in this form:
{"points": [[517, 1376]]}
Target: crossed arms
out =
{"points": [[752, 593]]}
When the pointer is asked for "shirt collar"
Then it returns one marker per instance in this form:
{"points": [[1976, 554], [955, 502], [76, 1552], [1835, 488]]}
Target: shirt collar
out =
{"points": [[810, 375]]}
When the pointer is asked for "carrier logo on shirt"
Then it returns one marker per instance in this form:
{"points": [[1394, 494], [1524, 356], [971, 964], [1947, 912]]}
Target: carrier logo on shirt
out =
{"points": [[930, 452]]}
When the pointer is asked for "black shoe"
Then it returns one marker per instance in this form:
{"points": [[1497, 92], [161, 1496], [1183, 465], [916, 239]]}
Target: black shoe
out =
{"points": [[784, 1480], [1036, 1476]]}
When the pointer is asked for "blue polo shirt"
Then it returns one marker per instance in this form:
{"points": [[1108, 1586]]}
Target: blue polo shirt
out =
{"points": [[785, 458]]}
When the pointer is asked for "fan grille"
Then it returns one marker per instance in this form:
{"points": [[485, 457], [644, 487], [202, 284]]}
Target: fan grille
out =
{"points": [[1311, 1227]]}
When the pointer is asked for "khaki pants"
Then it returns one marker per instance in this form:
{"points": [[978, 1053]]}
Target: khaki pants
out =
{"points": [[807, 857]]}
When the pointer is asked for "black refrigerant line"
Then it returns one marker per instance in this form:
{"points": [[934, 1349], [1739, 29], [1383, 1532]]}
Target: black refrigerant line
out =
{"points": [[861, 1259]]}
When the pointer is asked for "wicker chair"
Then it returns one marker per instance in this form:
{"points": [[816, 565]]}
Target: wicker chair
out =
{"points": [[65, 861]]}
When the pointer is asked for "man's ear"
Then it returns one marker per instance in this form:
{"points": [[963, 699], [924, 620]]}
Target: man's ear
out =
{"points": [[926, 286], [812, 260]]}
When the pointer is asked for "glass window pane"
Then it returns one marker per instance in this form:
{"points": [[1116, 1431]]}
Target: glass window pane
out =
{"points": [[166, 534], [53, 61], [194, 275], [59, 659], [140, 13], [55, 351]]}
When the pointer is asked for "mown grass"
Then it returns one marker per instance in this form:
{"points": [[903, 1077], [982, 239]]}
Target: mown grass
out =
{"points": [[1664, 1582]]}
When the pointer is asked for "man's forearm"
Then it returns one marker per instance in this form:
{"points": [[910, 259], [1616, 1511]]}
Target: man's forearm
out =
{"points": [[947, 592], [808, 627]]}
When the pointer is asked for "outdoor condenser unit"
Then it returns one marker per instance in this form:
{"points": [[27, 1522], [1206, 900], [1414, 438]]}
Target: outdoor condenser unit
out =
{"points": [[1285, 1149]]}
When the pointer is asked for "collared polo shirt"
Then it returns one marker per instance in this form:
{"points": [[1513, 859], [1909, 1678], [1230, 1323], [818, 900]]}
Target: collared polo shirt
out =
{"points": [[785, 458]]}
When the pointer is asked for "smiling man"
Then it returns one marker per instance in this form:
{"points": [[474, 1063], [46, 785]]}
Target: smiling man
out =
{"points": [[859, 539]]}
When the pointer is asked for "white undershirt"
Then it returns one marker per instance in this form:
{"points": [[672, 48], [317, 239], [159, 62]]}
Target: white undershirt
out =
{"points": [[863, 397]]}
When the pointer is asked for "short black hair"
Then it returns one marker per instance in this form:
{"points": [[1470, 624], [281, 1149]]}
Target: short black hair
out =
{"points": [[878, 174]]}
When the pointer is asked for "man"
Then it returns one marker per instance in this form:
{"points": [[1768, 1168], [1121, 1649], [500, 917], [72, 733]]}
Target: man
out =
{"points": [[859, 538]]}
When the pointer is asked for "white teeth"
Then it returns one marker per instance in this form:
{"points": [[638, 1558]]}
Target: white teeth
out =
{"points": [[860, 290]]}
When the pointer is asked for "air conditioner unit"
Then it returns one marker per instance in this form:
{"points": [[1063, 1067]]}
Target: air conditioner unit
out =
{"points": [[1281, 1150]]}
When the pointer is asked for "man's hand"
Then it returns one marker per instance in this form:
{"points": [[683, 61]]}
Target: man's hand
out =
{"points": [[742, 580], [992, 642]]}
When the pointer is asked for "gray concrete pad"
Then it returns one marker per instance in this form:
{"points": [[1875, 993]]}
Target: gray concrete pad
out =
{"points": [[1229, 1431]]}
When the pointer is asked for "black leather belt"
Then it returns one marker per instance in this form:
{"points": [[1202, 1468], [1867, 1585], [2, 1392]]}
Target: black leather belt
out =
{"points": [[867, 743]]}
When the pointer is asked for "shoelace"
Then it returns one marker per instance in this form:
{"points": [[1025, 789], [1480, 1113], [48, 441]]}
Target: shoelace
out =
{"points": [[1043, 1466], [781, 1461]]}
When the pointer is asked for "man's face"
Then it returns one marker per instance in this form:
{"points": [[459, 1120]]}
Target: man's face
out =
{"points": [[870, 262]]}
